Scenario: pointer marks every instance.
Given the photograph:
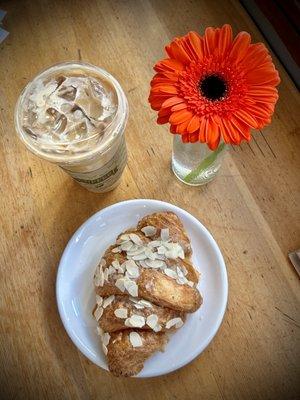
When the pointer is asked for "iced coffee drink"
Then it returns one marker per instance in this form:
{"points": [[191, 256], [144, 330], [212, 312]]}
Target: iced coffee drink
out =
{"points": [[74, 115]]}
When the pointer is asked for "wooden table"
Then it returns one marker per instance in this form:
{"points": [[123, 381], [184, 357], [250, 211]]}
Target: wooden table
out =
{"points": [[252, 209]]}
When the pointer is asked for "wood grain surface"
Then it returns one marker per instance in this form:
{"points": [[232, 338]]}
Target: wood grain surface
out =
{"points": [[252, 209]]}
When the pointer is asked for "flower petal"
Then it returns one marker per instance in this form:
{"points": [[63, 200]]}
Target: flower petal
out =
{"points": [[257, 55], [240, 47], [180, 116], [164, 111], [156, 102], [197, 44], [176, 51], [266, 75], [162, 80], [193, 137], [210, 38], [172, 101], [173, 128], [168, 65], [225, 39], [160, 88], [225, 134], [231, 132], [194, 124], [244, 116], [262, 92], [256, 111], [185, 138], [163, 120], [212, 135], [181, 128], [202, 130], [178, 107], [242, 128], [189, 48]]}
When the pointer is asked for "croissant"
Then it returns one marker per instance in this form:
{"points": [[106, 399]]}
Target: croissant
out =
{"points": [[145, 284]]}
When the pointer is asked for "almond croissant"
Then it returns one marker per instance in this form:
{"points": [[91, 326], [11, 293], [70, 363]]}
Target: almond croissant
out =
{"points": [[145, 284]]}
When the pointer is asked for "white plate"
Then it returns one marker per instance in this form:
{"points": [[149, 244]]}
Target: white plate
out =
{"points": [[76, 298]]}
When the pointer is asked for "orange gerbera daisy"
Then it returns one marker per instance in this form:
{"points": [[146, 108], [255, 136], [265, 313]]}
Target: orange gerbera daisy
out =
{"points": [[215, 87]]}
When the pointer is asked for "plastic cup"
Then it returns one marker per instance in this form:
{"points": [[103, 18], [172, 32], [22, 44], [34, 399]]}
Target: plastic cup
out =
{"points": [[96, 162]]}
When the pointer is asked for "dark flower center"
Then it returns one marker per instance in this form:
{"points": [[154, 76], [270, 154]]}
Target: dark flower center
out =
{"points": [[213, 87]]}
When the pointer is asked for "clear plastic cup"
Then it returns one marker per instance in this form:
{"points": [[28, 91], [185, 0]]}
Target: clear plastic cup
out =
{"points": [[96, 161]]}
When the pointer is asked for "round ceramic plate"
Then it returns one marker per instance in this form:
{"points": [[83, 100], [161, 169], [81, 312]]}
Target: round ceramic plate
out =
{"points": [[76, 297]]}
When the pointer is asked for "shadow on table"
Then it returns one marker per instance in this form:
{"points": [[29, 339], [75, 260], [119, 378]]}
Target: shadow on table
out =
{"points": [[67, 208]]}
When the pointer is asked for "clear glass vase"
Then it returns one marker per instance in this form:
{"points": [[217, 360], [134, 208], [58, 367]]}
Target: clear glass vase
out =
{"points": [[194, 163]]}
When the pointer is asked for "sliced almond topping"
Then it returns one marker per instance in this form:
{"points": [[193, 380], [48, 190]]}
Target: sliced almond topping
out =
{"points": [[127, 323], [120, 284], [155, 263], [108, 300], [169, 272], [98, 313], [137, 321], [143, 264], [124, 237], [140, 303], [131, 287], [181, 254], [161, 250], [182, 280], [105, 338], [102, 262], [184, 270], [173, 254], [99, 331], [177, 322], [145, 303], [99, 300], [152, 320], [99, 278], [154, 243], [116, 264], [126, 246], [190, 283], [149, 230], [157, 328], [105, 274], [179, 272], [138, 306], [139, 257], [170, 246], [116, 250], [134, 300], [135, 238], [111, 270], [128, 282], [104, 348], [135, 339], [136, 251], [122, 268], [121, 313], [165, 234], [132, 269], [174, 250], [149, 253]]}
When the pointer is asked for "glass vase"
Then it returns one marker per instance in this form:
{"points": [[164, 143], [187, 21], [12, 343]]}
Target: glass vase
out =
{"points": [[194, 163]]}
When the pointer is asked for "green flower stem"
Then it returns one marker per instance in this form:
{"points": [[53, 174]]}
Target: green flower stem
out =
{"points": [[204, 164]]}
